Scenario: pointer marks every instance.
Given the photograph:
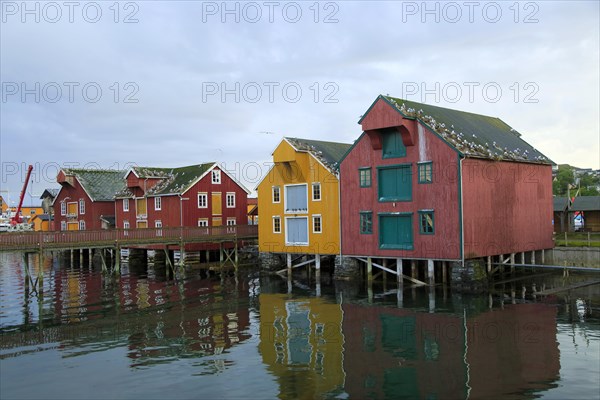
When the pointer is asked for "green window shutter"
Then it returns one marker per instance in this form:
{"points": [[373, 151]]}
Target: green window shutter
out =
{"points": [[395, 183], [392, 145], [395, 231]]}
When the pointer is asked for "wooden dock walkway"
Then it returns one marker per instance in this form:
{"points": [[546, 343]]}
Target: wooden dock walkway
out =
{"points": [[119, 238]]}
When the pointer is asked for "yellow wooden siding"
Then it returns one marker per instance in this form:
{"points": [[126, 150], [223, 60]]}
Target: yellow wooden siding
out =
{"points": [[72, 226], [303, 168], [71, 209], [217, 205], [140, 207], [217, 221]]}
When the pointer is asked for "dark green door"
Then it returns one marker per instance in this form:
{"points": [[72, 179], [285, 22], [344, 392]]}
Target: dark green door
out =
{"points": [[395, 231]]}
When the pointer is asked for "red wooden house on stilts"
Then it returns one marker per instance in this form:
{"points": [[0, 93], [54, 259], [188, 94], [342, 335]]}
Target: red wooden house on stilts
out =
{"points": [[437, 186]]}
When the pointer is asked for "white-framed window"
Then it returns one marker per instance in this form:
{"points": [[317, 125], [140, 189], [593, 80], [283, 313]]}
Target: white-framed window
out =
{"points": [[125, 205], [230, 223], [277, 224], [157, 203], [317, 224], [316, 191], [296, 198], [296, 231], [216, 176], [126, 225], [230, 199], [276, 194], [82, 225], [158, 224], [63, 210], [81, 206], [202, 221], [63, 224], [202, 200]]}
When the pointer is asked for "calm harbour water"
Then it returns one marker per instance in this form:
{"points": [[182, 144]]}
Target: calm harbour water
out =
{"points": [[142, 336]]}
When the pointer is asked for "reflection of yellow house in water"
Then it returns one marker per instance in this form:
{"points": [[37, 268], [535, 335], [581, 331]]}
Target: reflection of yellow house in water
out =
{"points": [[302, 343]]}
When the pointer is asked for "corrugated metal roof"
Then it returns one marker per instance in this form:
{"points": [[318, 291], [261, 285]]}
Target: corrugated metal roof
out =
{"points": [[586, 203], [99, 184], [329, 153], [560, 204], [473, 135]]}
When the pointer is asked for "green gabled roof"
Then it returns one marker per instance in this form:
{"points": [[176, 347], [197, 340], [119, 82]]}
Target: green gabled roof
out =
{"points": [[473, 135], [99, 184], [329, 153], [175, 180], [560, 203], [586, 203]]}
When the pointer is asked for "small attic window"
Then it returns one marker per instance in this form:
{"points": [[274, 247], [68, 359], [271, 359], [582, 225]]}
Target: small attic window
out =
{"points": [[392, 145], [216, 176]]}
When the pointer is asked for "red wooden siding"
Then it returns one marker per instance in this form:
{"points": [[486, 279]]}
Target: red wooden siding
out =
{"points": [[93, 210], [441, 195], [507, 207]]}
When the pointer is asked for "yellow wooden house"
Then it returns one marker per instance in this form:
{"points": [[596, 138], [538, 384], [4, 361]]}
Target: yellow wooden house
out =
{"points": [[299, 199]]}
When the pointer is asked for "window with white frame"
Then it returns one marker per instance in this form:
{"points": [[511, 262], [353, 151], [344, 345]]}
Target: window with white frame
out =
{"points": [[231, 221], [82, 225], [296, 198], [276, 194], [158, 224], [230, 200], [125, 205], [202, 221], [63, 209], [316, 191], [81, 206], [126, 225], [317, 224], [276, 224], [202, 200], [216, 176], [157, 203], [63, 224]]}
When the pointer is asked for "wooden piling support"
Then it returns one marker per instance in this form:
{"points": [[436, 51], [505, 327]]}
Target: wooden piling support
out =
{"points": [[318, 274], [384, 272], [369, 269], [430, 272], [399, 271], [289, 264], [117, 258], [489, 264], [512, 263], [444, 272], [413, 269]]}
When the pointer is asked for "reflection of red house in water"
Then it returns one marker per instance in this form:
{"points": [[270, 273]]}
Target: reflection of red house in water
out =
{"points": [[393, 352]]}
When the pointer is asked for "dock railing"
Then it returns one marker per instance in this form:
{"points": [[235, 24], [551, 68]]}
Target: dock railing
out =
{"points": [[10, 241], [577, 239]]}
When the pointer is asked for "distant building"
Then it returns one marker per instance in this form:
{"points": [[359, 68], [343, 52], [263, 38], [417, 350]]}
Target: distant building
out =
{"points": [[84, 197], [195, 195], [252, 211], [42, 222], [48, 197], [561, 206], [589, 207]]}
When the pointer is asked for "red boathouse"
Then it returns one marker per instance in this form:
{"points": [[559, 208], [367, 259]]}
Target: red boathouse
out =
{"points": [[429, 183]]}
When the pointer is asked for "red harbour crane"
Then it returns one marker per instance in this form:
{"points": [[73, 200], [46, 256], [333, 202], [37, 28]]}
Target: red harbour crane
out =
{"points": [[16, 219]]}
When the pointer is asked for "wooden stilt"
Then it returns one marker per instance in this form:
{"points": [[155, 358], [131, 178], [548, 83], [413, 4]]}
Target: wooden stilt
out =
{"points": [[430, 272], [318, 274], [117, 258], [444, 272], [384, 263], [512, 263], [489, 264], [399, 271], [369, 269], [413, 269], [544, 254], [289, 264]]}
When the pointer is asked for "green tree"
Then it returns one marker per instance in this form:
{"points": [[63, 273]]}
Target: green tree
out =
{"points": [[564, 178]]}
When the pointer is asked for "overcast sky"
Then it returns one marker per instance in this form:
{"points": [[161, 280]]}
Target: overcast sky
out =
{"points": [[156, 83]]}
